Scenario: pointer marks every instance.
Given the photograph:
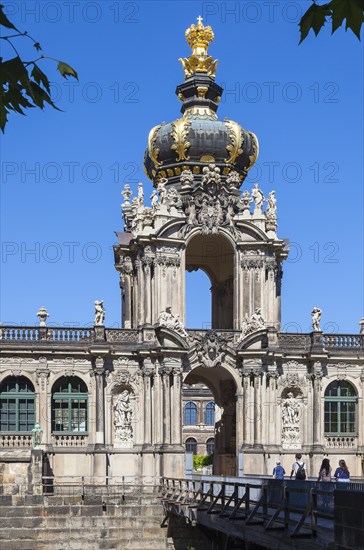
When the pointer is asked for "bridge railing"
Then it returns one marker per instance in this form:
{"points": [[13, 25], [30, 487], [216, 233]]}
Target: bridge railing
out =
{"points": [[297, 506]]}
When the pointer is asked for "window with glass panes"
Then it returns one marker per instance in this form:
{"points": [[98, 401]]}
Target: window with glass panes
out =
{"points": [[69, 406], [17, 405], [210, 446], [210, 414], [191, 445], [190, 414], [340, 408]]}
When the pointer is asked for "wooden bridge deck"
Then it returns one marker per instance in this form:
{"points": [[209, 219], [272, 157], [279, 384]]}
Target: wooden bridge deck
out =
{"points": [[270, 513]]}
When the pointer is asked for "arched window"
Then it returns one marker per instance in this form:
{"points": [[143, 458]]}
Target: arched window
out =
{"points": [[69, 405], [191, 445], [210, 414], [190, 414], [17, 405], [340, 408], [210, 446]]}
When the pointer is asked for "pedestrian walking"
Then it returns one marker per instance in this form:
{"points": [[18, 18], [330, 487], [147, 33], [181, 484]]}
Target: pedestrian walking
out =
{"points": [[325, 471], [298, 468], [278, 471]]}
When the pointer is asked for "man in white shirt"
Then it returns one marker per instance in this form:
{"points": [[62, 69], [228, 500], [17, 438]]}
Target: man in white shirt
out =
{"points": [[299, 468]]}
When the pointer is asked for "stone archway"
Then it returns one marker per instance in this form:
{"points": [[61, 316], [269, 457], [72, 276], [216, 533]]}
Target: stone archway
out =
{"points": [[214, 255], [224, 388]]}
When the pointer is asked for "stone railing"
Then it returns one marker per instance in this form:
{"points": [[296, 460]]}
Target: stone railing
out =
{"points": [[70, 440], [288, 340], [121, 335], [70, 334], [343, 341], [8, 440], [341, 441], [19, 333]]}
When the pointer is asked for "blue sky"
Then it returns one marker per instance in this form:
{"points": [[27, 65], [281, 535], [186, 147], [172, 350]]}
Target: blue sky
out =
{"points": [[62, 173]]}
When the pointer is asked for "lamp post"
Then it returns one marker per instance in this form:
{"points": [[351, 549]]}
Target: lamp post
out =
{"points": [[37, 433]]}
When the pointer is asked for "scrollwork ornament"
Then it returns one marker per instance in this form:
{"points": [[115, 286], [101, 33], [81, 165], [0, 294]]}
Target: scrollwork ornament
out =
{"points": [[236, 136], [180, 129]]}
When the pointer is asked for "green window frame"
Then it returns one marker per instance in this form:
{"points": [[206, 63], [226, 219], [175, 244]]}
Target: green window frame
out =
{"points": [[340, 410], [69, 406], [17, 405]]}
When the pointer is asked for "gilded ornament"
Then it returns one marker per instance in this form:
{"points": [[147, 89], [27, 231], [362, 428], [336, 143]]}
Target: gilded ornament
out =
{"points": [[254, 156], [180, 128], [201, 91], [236, 136], [154, 151], [199, 37]]}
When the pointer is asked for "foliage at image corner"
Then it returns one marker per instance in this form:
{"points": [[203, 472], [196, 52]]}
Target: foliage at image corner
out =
{"points": [[199, 461], [23, 84], [336, 11]]}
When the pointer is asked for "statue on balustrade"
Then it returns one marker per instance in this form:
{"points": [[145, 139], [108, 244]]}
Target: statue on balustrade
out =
{"points": [[99, 313]]}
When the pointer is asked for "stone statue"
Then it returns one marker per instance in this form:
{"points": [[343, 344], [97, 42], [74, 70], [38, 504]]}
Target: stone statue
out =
{"points": [[154, 199], [233, 180], [316, 317], [172, 322], [291, 411], [122, 408], [123, 417], [211, 174], [272, 205], [99, 313], [256, 322], [258, 197], [140, 195], [291, 422], [161, 187]]}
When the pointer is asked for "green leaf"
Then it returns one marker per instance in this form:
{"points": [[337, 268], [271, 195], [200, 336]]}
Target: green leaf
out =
{"points": [[4, 21], [40, 96], [40, 77], [352, 11], [314, 18], [66, 70]]}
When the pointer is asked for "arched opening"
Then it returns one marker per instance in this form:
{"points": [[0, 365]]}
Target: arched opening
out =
{"points": [[218, 383], [198, 291], [215, 256]]}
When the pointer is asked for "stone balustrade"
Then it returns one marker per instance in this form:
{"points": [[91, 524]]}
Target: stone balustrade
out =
{"points": [[70, 440], [82, 335], [8, 440], [341, 442]]}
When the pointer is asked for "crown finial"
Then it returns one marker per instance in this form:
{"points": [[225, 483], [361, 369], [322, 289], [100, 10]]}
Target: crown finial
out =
{"points": [[199, 38]]}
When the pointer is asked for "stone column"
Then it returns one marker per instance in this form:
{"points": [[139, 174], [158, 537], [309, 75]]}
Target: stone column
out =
{"points": [[99, 371], [257, 410], [42, 411], [176, 406], [165, 373], [246, 413], [316, 408], [239, 419], [148, 372]]}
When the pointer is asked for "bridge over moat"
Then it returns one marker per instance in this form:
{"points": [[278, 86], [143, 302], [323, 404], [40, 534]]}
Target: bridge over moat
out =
{"points": [[271, 513]]}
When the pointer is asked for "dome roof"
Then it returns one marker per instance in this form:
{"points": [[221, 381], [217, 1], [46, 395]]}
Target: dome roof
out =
{"points": [[199, 138]]}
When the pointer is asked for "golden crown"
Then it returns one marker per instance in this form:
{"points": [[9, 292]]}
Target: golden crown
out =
{"points": [[199, 36]]}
